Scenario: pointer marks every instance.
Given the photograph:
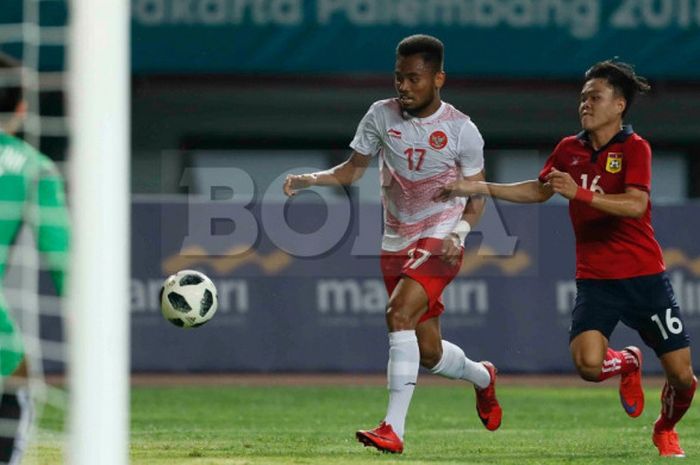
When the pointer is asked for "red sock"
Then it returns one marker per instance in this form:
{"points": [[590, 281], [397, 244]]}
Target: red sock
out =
{"points": [[617, 363], [674, 404]]}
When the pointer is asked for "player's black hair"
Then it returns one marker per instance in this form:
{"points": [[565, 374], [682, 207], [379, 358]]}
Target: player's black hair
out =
{"points": [[621, 77], [428, 47], [10, 83]]}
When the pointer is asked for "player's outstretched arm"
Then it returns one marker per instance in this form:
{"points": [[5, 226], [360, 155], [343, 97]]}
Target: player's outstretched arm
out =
{"points": [[532, 191], [477, 203], [343, 174], [632, 203], [454, 242]]}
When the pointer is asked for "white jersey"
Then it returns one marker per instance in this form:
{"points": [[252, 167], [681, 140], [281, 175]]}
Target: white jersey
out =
{"points": [[417, 157]]}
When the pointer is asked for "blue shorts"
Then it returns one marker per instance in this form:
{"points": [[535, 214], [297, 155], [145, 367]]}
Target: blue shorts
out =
{"points": [[644, 303]]}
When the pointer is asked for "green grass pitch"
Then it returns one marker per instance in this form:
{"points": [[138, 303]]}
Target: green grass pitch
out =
{"points": [[233, 425]]}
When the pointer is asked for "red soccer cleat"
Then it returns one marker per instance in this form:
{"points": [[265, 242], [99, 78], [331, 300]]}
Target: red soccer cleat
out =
{"points": [[631, 391], [487, 406], [667, 443], [382, 437]]}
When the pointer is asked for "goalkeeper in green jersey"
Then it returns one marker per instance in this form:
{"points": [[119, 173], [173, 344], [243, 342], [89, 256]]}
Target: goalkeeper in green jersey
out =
{"points": [[31, 194]]}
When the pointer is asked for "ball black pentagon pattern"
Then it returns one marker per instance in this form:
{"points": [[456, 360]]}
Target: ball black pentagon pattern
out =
{"points": [[206, 303], [178, 302], [190, 280]]}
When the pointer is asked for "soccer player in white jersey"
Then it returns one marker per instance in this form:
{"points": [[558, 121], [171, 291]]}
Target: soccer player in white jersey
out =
{"points": [[423, 143]]}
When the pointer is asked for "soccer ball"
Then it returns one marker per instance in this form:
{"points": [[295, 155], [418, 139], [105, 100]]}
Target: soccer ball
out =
{"points": [[188, 299]]}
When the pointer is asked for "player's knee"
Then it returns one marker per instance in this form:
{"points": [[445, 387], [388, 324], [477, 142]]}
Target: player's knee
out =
{"points": [[430, 354], [396, 320], [587, 367], [681, 379], [399, 315]]}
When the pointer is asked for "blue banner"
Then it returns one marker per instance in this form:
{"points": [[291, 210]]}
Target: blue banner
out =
{"points": [[483, 38], [282, 308]]}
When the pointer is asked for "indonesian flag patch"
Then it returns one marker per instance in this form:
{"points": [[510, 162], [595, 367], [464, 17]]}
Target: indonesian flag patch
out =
{"points": [[438, 140]]}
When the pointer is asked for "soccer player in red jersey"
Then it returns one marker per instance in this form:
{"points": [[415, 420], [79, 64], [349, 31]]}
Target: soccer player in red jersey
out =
{"points": [[422, 143], [605, 173]]}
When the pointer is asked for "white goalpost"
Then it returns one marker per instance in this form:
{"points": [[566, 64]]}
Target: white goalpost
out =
{"points": [[98, 298]]}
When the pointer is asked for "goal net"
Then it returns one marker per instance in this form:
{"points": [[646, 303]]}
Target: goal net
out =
{"points": [[33, 32], [74, 76]]}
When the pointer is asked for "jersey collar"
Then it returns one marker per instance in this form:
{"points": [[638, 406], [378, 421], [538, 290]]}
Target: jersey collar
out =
{"points": [[405, 115], [618, 138]]}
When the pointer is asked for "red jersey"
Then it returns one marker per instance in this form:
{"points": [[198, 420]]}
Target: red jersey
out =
{"points": [[608, 246]]}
